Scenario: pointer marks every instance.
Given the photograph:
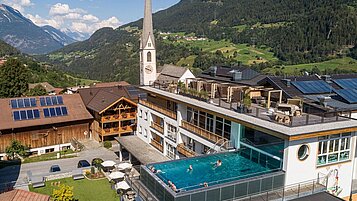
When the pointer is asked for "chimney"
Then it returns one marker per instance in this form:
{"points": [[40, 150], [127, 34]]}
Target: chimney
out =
{"points": [[213, 71], [324, 100], [327, 78], [237, 75]]}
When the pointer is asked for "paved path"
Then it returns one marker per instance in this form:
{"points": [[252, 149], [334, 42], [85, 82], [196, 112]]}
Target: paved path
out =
{"points": [[18, 173]]}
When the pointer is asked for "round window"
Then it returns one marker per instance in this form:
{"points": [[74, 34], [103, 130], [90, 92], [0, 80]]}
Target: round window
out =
{"points": [[303, 152]]}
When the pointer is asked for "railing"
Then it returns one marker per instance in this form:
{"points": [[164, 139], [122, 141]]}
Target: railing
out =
{"points": [[203, 132], [157, 145], [111, 131], [157, 127], [181, 148], [118, 117], [166, 112]]}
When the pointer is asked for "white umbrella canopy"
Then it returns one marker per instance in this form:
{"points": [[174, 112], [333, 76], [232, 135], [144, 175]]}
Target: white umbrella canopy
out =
{"points": [[122, 185], [108, 163], [116, 175], [124, 166]]}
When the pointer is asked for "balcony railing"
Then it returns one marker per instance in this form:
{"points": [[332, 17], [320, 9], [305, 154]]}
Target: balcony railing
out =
{"points": [[117, 117], [182, 149], [157, 145], [112, 131], [203, 133], [164, 111], [157, 127]]}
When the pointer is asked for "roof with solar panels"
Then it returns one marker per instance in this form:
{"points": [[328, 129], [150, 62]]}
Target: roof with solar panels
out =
{"points": [[41, 110], [340, 91]]}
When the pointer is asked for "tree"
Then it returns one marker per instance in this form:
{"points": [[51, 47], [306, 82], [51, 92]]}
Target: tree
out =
{"points": [[64, 193], [38, 90], [16, 149], [14, 78]]}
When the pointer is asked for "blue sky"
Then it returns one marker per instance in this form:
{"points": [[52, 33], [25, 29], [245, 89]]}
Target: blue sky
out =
{"points": [[84, 16]]}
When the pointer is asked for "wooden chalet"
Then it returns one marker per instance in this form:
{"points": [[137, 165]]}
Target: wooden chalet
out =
{"points": [[114, 110], [44, 123]]}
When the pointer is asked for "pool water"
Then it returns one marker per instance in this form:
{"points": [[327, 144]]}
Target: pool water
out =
{"points": [[234, 167]]}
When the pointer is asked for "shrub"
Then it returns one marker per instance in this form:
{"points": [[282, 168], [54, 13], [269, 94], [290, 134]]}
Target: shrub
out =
{"points": [[108, 144], [92, 170]]}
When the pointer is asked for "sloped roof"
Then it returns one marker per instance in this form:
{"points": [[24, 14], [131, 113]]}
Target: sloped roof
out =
{"points": [[21, 195], [169, 73], [75, 107], [319, 196], [225, 74], [99, 98], [46, 85]]}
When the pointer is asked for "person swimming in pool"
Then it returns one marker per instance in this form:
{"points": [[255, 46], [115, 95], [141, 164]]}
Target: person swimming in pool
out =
{"points": [[218, 164], [190, 168]]}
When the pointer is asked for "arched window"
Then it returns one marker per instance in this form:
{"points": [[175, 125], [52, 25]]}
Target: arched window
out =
{"points": [[149, 59]]}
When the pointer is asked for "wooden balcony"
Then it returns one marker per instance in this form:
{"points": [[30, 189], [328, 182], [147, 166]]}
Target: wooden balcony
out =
{"points": [[126, 116], [203, 133], [162, 110], [157, 127], [116, 131], [182, 149], [157, 145]]}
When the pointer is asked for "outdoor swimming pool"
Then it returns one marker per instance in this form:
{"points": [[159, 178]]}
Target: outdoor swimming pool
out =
{"points": [[235, 166]]}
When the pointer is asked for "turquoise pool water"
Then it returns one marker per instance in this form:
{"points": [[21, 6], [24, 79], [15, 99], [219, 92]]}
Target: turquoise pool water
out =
{"points": [[234, 167]]}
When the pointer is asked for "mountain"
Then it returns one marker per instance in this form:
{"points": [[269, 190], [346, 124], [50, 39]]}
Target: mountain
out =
{"points": [[7, 50], [294, 31], [78, 36], [23, 34], [58, 35]]}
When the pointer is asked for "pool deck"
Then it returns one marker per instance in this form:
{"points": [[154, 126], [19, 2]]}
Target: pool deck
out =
{"points": [[142, 151]]}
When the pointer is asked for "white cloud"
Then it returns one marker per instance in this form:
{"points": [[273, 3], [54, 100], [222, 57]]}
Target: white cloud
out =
{"points": [[62, 16], [18, 4]]}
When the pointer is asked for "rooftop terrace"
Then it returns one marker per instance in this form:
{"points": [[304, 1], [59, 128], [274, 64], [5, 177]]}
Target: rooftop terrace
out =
{"points": [[261, 117]]}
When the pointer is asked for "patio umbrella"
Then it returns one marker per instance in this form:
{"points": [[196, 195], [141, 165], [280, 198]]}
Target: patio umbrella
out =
{"points": [[123, 166], [122, 185], [108, 163], [116, 175]]}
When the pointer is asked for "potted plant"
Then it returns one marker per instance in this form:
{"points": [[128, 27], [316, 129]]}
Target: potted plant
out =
{"points": [[247, 104], [124, 115]]}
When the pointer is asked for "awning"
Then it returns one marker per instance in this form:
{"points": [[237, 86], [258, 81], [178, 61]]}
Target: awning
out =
{"points": [[142, 151]]}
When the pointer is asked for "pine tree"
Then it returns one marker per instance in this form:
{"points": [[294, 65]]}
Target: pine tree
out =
{"points": [[14, 78]]}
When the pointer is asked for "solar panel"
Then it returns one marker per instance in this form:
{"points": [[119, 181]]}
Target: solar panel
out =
{"points": [[54, 100], [64, 111], [23, 114], [52, 112], [49, 101], [58, 111], [13, 104], [350, 83], [42, 101], [20, 103], [33, 102], [16, 115], [36, 114], [313, 87], [27, 102], [60, 100], [350, 95], [46, 112], [30, 114]]}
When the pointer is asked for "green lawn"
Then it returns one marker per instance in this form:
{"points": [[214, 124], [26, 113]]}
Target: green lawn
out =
{"points": [[83, 189], [346, 63]]}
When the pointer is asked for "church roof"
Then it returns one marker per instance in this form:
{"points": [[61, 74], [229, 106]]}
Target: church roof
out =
{"points": [[170, 73], [148, 31]]}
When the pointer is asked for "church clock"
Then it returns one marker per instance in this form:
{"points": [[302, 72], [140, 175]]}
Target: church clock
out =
{"points": [[148, 69]]}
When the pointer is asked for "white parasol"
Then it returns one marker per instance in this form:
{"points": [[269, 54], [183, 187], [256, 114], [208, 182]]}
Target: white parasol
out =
{"points": [[123, 166], [108, 163], [116, 175], [122, 185]]}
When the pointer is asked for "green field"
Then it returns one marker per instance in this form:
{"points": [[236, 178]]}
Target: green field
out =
{"points": [[345, 63], [83, 189], [247, 54], [83, 81]]}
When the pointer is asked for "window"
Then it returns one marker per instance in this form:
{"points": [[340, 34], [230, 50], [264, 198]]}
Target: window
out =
{"points": [[171, 151], [149, 44], [334, 148], [303, 152], [149, 59], [146, 116], [171, 132], [140, 113]]}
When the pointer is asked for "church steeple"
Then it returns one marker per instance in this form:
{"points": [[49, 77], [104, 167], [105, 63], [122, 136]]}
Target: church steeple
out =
{"points": [[147, 48]]}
